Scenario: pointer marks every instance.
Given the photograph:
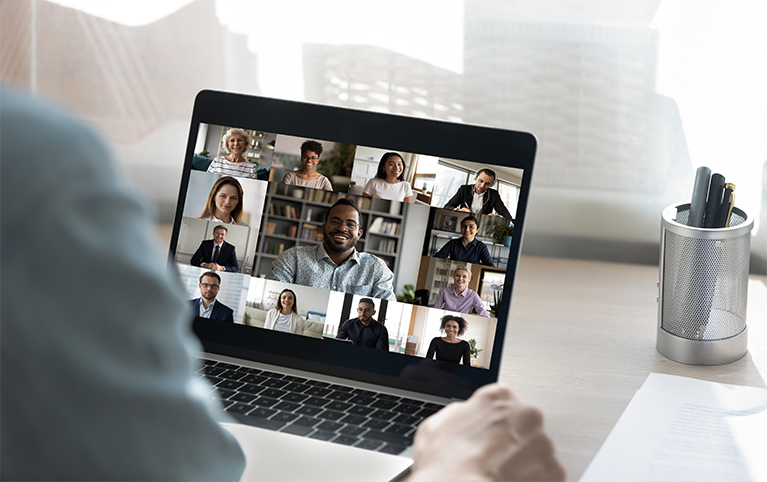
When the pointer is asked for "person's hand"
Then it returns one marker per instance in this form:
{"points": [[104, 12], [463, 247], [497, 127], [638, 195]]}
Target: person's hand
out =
{"points": [[464, 210], [491, 436]]}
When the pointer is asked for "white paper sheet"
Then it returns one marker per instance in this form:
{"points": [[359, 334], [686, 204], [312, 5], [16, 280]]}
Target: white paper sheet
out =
{"points": [[683, 429]]}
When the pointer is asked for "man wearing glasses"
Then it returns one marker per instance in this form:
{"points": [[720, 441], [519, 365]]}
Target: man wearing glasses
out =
{"points": [[206, 305], [364, 330], [336, 264]]}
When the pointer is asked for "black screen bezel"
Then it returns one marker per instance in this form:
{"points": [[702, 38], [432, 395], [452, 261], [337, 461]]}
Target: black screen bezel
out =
{"points": [[484, 145]]}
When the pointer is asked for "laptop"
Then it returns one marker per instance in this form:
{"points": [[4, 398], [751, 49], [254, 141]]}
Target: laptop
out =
{"points": [[344, 374]]}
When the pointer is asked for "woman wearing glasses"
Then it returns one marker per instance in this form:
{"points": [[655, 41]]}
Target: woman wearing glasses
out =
{"points": [[284, 316], [307, 176]]}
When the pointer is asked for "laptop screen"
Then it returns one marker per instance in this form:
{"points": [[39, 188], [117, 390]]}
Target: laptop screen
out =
{"points": [[367, 246]]}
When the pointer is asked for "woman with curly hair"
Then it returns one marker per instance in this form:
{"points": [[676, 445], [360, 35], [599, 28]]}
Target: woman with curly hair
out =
{"points": [[450, 348]]}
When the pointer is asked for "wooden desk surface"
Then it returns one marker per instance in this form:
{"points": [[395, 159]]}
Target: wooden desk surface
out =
{"points": [[581, 341]]}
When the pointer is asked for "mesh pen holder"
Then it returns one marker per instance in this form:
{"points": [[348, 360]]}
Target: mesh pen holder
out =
{"points": [[703, 289]]}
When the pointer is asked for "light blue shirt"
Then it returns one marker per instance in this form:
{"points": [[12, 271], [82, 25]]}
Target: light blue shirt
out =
{"points": [[362, 274], [96, 348]]}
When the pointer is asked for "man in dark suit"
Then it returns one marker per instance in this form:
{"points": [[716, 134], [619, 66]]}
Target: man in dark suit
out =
{"points": [[206, 305], [216, 254], [479, 198]]}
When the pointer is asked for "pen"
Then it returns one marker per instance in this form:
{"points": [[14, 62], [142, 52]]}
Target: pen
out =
{"points": [[699, 194], [727, 203], [714, 204]]}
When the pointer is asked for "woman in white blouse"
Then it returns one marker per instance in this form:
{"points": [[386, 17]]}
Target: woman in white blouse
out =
{"points": [[284, 317], [390, 182], [224, 204]]}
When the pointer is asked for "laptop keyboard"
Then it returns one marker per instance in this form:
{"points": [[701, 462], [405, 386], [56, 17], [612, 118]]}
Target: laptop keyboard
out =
{"points": [[316, 409]]}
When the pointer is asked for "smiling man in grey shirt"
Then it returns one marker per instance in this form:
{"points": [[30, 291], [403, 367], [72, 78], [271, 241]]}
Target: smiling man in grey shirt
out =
{"points": [[336, 264]]}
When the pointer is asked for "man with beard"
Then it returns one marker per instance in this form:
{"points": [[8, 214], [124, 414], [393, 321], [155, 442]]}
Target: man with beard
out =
{"points": [[207, 306], [335, 264], [365, 330]]}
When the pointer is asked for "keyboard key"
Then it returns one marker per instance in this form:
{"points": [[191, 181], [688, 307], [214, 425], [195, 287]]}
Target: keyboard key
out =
{"points": [[330, 415], [294, 397], [289, 407], [316, 401], [349, 430], [296, 387], [232, 375], [213, 371], [265, 402], [255, 379], [360, 410], [229, 384], [317, 383], [368, 444], [272, 374], [353, 420], [322, 435], [407, 419], [274, 383], [317, 391], [364, 393], [412, 401], [386, 437], [285, 417], [406, 408], [252, 389], [297, 429], [341, 388], [307, 410], [224, 394], [433, 406], [227, 366], [392, 449], [383, 415], [243, 397], [376, 424], [307, 421], [345, 440], [330, 426], [273, 393], [399, 429], [239, 408], [392, 398], [262, 412], [252, 371], [258, 421], [425, 412], [207, 362], [361, 400], [338, 395], [384, 404], [291, 378], [340, 406]]}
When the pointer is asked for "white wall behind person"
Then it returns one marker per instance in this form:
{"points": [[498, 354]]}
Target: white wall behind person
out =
{"points": [[265, 292], [233, 292], [411, 244]]}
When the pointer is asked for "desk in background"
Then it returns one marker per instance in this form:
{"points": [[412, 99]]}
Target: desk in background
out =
{"points": [[581, 341]]}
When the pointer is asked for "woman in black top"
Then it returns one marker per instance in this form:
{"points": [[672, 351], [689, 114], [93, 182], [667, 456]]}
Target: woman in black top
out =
{"points": [[450, 348]]}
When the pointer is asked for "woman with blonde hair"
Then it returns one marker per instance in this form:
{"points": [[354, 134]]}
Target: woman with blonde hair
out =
{"points": [[284, 316], [224, 204], [236, 163]]}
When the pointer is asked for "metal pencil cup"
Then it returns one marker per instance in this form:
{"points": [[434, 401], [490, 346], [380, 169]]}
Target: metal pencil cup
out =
{"points": [[703, 289]]}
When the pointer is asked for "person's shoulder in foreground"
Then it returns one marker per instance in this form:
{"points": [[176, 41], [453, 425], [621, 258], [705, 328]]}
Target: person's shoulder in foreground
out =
{"points": [[96, 365]]}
